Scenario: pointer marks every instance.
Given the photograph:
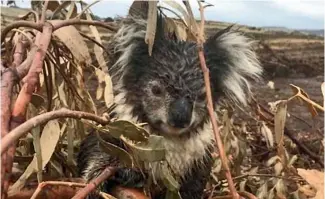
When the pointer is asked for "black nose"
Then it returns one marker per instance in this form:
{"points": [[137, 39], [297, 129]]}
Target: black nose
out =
{"points": [[180, 113]]}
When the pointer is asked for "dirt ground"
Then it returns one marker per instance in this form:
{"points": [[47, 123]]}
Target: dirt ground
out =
{"points": [[293, 61]]}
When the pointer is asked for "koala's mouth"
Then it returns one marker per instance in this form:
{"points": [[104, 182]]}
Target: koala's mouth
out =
{"points": [[166, 129]]}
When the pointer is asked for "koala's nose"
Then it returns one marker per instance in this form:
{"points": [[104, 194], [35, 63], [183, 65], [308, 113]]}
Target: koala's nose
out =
{"points": [[180, 113]]}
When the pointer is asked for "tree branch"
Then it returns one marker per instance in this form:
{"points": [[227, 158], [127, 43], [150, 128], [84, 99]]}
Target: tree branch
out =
{"points": [[18, 24], [8, 80], [206, 74], [43, 16], [55, 183], [109, 171], [21, 130], [61, 23]]}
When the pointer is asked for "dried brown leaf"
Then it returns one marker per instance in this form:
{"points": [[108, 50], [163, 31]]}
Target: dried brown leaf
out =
{"points": [[268, 135], [272, 160], [179, 7], [36, 132], [62, 94], [70, 36], [72, 11], [299, 92], [61, 8], [315, 179], [70, 138], [108, 91], [181, 32], [97, 50], [151, 25], [48, 142], [323, 92], [279, 124], [262, 191]]}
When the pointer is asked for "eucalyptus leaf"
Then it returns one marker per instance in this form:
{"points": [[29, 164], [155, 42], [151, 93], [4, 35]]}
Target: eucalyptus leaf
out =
{"points": [[150, 151], [127, 129], [114, 150], [173, 195], [169, 181]]}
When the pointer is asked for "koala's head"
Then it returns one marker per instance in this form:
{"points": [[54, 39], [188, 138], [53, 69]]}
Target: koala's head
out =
{"points": [[167, 89]]}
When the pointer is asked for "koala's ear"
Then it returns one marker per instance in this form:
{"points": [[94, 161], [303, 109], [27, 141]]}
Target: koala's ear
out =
{"points": [[231, 62]]}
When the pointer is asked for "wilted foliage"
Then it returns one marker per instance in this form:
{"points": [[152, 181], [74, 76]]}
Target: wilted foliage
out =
{"points": [[72, 73]]}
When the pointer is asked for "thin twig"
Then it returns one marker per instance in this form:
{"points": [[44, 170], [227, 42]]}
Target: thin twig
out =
{"points": [[86, 8], [56, 24], [247, 195], [24, 128], [18, 24], [43, 16], [30, 40], [223, 157], [264, 176], [93, 40], [241, 193], [55, 183], [175, 13], [61, 23], [36, 18], [109, 171]]}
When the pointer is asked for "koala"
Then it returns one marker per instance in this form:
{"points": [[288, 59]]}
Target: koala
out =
{"points": [[166, 90]]}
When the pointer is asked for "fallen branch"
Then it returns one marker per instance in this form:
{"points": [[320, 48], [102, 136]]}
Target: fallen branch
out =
{"points": [[24, 128], [109, 171]]}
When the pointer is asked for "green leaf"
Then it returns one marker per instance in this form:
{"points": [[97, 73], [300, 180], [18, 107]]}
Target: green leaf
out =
{"points": [[127, 129], [168, 179], [116, 151], [37, 100], [173, 195], [151, 151]]}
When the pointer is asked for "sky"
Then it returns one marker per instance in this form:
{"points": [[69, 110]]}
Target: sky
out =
{"points": [[296, 14]]}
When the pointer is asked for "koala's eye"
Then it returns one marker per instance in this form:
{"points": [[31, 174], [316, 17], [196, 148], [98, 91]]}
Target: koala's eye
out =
{"points": [[156, 90]]}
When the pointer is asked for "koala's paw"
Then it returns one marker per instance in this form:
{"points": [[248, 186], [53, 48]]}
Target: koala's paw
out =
{"points": [[129, 178]]}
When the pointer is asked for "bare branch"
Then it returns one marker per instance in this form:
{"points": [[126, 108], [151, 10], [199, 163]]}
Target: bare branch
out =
{"points": [[24, 128], [223, 157], [109, 171], [43, 16], [86, 8], [55, 183], [60, 24], [18, 24]]}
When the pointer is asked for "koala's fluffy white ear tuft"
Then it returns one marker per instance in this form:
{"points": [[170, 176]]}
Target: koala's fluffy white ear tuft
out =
{"points": [[232, 60]]}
